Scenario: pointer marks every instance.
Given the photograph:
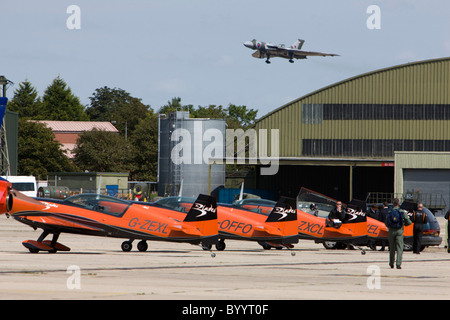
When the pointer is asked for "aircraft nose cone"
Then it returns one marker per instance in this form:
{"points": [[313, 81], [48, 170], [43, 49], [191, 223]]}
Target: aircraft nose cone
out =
{"points": [[248, 44]]}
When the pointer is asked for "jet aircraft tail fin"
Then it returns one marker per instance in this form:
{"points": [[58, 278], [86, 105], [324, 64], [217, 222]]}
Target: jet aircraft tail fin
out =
{"points": [[284, 210], [298, 44]]}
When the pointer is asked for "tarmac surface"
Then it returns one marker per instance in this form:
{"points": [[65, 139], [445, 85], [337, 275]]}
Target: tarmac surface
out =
{"points": [[96, 268]]}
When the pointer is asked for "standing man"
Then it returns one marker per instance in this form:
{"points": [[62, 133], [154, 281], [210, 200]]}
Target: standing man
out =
{"points": [[419, 218], [395, 221]]}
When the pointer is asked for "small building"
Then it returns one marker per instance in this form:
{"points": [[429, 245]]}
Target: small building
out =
{"points": [[88, 182], [67, 132]]}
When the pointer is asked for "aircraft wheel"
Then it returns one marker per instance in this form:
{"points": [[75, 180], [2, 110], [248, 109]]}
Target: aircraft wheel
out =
{"points": [[142, 246], [330, 244], [265, 245], [206, 247], [33, 250], [126, 246], [220, 245]]}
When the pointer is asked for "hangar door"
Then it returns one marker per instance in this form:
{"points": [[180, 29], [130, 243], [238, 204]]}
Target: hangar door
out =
{"points": [[429, 185]]}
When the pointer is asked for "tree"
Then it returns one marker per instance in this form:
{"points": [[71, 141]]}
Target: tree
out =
{"points": [[240, 117], [38, 152], [26, 101], [59, 103], [117, 106], [145, 142], [103, 151], [175, 105], [211, 111]]}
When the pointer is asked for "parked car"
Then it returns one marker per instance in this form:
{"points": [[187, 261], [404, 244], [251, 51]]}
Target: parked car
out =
{"points": [[431, 232]]}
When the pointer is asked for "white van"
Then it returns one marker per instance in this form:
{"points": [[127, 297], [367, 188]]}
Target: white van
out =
{"points": [[25, 184]]}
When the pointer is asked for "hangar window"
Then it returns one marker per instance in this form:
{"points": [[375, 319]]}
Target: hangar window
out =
{"points": [[380, 112], [369, 147], [312, 113]]}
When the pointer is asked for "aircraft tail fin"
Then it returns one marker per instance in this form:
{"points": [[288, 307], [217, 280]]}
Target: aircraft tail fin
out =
{"points": [[204, 208], [298, 44], [203, 216], [356, 211], [284, 210]]}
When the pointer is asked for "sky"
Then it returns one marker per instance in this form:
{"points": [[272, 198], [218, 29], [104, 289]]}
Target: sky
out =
{"points": [[160, 49]]}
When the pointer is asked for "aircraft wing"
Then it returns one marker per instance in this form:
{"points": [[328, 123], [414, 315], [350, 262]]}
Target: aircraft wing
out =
{"points": [[298, 54], [312, 53], [258, 54]]}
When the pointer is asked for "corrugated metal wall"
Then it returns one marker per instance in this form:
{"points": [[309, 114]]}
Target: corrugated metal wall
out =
{"points": [[424, 82]]}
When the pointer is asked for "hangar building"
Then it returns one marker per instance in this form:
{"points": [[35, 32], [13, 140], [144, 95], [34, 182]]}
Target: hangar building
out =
{"points": [[342, 140]]}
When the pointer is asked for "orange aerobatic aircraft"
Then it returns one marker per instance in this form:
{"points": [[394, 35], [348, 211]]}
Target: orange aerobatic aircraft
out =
{"points": [[270, 223], [314, 224], [101, 215]]}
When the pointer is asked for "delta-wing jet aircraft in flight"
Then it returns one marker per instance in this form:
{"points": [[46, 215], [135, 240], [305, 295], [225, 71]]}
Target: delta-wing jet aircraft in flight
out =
{"points": [[268, 50]]}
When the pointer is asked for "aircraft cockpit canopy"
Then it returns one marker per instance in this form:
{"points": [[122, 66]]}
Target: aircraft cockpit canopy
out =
{"points": [[181, 204], [98, 202]]}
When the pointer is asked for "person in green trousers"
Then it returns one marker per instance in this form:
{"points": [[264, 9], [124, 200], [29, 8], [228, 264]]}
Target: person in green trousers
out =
{"points": [[395, 221]]}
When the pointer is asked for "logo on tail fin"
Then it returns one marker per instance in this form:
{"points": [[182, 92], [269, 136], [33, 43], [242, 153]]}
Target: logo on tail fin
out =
{"points": [[204, 208], [284, 210]]}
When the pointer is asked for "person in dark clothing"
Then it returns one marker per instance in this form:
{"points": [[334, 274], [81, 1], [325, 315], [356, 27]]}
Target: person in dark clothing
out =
{"points": [[395, 221], [336, 216], [382, 215], [373, 212], [419, 218]]}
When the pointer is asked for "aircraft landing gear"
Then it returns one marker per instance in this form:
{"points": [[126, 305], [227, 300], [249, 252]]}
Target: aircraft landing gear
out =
{"points": [[127, 246], [142, 245], [208, 247], [267, 61], [269, 245], [291, 61], [220, 245]]}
